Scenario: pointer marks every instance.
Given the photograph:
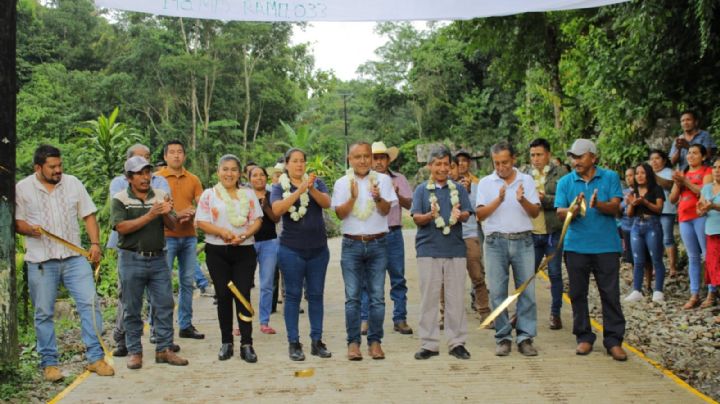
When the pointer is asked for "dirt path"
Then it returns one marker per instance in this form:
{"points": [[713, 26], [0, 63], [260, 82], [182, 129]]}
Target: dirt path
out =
{"points": [[556, 375]]}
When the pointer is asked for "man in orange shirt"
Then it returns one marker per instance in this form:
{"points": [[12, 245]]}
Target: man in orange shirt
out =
{"points": [[182, 241]]}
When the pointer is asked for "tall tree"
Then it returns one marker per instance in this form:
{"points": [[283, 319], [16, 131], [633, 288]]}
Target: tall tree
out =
{"points": [[8, 141]]}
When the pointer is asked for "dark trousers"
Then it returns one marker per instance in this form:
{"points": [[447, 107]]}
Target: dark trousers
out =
{"points": [[237, 264], [605, 267]]}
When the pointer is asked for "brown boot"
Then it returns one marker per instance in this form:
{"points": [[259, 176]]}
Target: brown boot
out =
{"points": [[52, 373], [692, 302], [709, 301], [170, 357], [354, 352], [134, 361], [375, 351], [101, 367], [403, 328]]}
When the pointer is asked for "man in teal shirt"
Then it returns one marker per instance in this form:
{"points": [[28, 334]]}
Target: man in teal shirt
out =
{"points": [[592, 245]]}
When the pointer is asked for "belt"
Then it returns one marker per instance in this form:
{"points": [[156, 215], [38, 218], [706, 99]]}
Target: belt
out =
{"points": [[511, 236], [156, 253], [365, 237], [647, 217], [393, 228]]}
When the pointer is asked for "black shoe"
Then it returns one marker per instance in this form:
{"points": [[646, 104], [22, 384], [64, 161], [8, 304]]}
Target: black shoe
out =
{"points": [[175, 347], [295, 351], [425, 354], [120, 351], [460, 352], [191, 332], [247, 353], [153, 340], [317, 348], [226, 351], [215, 300]]}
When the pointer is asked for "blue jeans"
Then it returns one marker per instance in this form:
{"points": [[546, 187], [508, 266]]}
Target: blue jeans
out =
{"points": [[500, 254], [545, 245], [646, 236], [304, 267], [138, 273], [363, 264], [200, 280], [668, 228], [692, 233], [43, 281], [396, 272], [184, 249], [267, 256]]}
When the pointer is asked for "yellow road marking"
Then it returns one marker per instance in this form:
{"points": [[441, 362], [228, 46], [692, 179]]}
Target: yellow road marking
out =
{"points": [[70, 387], [667, 372]]}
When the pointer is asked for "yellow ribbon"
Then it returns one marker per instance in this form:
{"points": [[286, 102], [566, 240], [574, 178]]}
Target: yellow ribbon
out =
{"points": [[543, 265], [85, 253], [243, 301]]}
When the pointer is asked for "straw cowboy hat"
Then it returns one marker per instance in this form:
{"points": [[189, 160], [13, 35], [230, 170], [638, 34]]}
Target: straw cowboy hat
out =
{"points": [[380, 148]]}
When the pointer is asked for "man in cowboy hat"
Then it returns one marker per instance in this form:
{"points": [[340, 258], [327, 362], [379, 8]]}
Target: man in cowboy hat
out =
{"points": [[382, 157]]}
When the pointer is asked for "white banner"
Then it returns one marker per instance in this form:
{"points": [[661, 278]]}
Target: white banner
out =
{"points": [[345, 10]]}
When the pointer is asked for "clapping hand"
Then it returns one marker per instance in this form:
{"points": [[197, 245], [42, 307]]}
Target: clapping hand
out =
{"points": [[678, 177], [501, 194], [455, 213], [520, 193], [434, 210], [375, 192], [311, 180], [578, 201], [594, 199], [703, 206]]}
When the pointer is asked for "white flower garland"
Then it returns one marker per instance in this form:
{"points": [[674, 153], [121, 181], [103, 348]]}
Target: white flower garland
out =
{"points": [[295, 212], [367, 210], [454, 200], [540, 179], [236, 218]]}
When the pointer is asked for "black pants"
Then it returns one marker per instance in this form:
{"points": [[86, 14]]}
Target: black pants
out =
{"points": [[605, 268], [236, 264]]}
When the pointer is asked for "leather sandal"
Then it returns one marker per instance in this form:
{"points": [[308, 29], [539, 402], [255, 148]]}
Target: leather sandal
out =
{"points": [[692, 302]]}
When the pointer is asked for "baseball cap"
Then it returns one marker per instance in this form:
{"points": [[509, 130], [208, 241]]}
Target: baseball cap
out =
{"points": [[136, 164], [582, 146]]}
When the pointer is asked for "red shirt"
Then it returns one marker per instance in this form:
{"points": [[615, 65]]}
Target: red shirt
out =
{"points": [[688, 199]]}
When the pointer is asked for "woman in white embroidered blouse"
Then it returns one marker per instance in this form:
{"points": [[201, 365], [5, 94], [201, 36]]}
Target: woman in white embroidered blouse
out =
{"points": [[229, 216]]}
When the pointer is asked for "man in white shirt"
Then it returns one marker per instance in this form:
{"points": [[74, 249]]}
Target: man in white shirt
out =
{"points": [[51, 200], [507, 201], [362, 200]]}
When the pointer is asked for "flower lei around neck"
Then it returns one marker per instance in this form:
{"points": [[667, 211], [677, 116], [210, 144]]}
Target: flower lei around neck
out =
{"points": [[454, 200], [363, 212], [540, 179], [295, 212], [236, 217]]}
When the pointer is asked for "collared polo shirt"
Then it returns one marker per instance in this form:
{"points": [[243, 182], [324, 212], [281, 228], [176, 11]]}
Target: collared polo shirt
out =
{"points": [[120, 183], [703, 138], [509, 217], [430, 240], [127, 206], [57, 212], [375, 223], [186, 189], [595, 233]]}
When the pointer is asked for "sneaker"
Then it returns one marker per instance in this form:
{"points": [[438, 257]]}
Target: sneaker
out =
{"points": [[52, 374], [460, 352], [503, 348], [526, 348], [635, 296], [658, 297], [101, 368]]}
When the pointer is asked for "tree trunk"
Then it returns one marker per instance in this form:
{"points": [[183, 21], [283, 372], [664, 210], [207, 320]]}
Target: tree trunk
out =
{"points": [[193, 93], [246, 120], [8, 142], [552, 48], [257, 123]]}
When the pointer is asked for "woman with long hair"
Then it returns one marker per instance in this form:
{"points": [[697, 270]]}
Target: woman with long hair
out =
{"points": [[709, 206], [303, 254], [645, 205], [685, 193], [229, 216], [266, 246], [663, 176]]}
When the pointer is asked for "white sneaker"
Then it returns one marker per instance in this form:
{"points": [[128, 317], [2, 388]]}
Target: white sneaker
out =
{"points": [[635, 296], [658, 297]]}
